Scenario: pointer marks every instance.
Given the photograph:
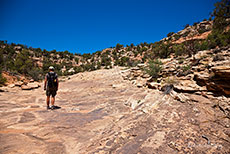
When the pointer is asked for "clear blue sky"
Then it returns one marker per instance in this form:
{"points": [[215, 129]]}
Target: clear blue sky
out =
{"points": [[83, 26]]}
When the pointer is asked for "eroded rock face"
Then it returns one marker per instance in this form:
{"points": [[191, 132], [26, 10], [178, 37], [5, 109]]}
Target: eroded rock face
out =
{"points": [[218, 80], [102, 113], [207, 70], [221, 79]]}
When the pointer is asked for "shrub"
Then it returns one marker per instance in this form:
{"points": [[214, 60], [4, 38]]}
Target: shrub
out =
{"points": [[98, 65], [185, 34], [119, 46], [2, 79], [170, 34], [154, 68], [186, 68], [124, 61], [36, 74], [195, 23], [105, 61], [202, 30], [23, 63], [77, 60], [144, 49], [176, 36], [186, 26], [86, 56], [181, 61], [131, 45], [164, 50], [129, 48], [178, 49], [218, 57], [78, 69], [221, 14]]}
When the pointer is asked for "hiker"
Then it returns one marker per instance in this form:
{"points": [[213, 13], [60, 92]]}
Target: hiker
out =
{"points": [[51, 87]]}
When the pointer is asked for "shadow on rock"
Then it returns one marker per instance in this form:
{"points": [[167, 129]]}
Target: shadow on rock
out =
{"points": [[56, 107]]}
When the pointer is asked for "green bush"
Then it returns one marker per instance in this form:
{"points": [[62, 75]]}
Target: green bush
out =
{"points": [[186, 26], [119, 46], [178, 49], [124, 61], [23, 63], [105, 61], [77, 60], [154, 68], [36, 74], [2, 79], [186, 68], [221, 15], [170, 34], [177, 36], [144, 49], [86, 56], [181, 61], [164, 50]]}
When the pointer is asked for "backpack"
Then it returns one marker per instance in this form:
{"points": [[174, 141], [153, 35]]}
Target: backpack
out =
{"points": [[52, 80]]}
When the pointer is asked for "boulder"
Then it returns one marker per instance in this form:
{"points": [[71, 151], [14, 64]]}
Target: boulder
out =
{"points": [[71, 70], [189, 86], [11, 85], [153, 85], [135, 68], [19, 83], [33, 85], [201, 78], [179, 96], [133, 103], [26, 87], [1, 89], [121, 85], [141, 65], [145, 76], [220, 80], [140, 84], [221, 71]]}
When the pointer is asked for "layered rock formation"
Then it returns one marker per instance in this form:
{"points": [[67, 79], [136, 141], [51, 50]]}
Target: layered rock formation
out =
{"points": [[102, 113], [206, 73]]}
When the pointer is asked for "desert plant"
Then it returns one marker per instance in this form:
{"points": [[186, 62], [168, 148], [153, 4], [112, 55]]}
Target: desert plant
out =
{"points": [[186, 26], [221, 15], [186, 68], [154, 68], [170, 34], [2, 79], [35, 73], [119, 46], [218, 57]]}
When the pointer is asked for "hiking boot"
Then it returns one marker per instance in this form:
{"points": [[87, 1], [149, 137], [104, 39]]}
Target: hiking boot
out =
{"points": [[52, 107], [48, 108]]}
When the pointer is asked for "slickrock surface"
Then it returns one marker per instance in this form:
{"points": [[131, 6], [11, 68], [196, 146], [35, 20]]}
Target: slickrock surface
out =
{"points": [[102, 113]]}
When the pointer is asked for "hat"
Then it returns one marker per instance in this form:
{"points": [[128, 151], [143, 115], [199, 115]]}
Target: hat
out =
{"points": [[51, 68]]}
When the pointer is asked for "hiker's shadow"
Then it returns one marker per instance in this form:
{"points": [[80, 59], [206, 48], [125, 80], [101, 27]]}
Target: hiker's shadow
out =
{"points": [[57, 107]]}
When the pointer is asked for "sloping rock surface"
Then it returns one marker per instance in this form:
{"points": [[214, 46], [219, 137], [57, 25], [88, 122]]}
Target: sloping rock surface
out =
{"points": [[98, 117]]}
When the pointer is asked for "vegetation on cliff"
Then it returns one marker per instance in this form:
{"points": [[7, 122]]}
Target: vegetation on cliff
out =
{"points": [[34, 62]]}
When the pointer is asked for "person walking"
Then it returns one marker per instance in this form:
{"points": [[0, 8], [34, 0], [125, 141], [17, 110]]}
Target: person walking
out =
{"points": [[51, 87]]}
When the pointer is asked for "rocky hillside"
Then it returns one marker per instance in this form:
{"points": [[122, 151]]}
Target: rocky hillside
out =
{"points": [[18, 59], [21, 61]]}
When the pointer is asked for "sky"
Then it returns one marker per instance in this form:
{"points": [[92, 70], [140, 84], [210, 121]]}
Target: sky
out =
{"points": [[87, 26]]}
